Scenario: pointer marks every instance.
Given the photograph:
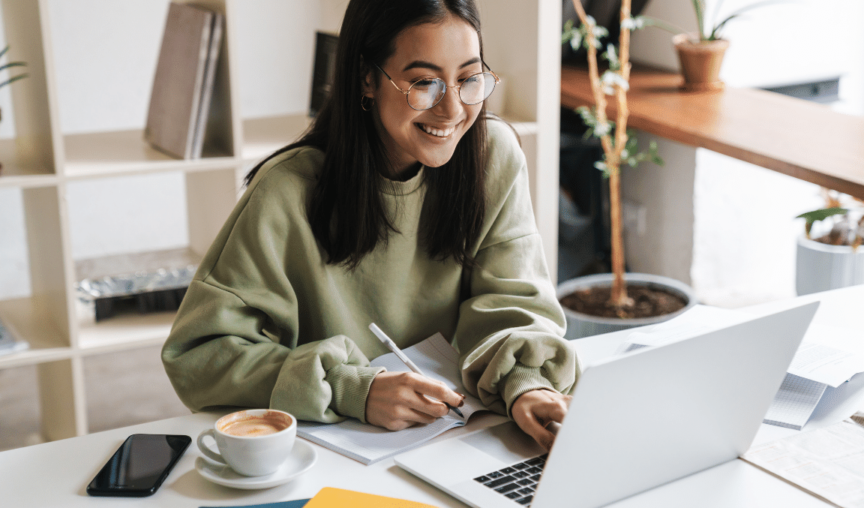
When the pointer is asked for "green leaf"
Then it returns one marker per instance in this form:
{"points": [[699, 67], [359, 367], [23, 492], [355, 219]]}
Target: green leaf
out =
{"points": [[4, 51], [12, 64], [715, 33], [10, 81], [817, 215], [699, 8]]}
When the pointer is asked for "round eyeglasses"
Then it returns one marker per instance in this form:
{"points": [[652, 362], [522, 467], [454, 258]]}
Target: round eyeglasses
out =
{"points": [[427, 93]]}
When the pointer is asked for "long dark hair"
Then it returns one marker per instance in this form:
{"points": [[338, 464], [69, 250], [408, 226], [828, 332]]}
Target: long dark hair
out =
{"points": [[346, 211]]}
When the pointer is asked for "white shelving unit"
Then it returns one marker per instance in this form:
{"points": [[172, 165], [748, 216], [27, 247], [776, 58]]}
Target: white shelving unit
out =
{"points": [[522, 43]]}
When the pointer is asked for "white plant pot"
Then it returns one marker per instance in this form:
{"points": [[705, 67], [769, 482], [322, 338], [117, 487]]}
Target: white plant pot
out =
{"points": [[583, 325], [821, 267]]}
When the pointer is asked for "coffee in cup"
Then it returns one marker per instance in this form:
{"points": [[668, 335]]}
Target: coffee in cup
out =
{"points": [[247, 426], [254, 442]]}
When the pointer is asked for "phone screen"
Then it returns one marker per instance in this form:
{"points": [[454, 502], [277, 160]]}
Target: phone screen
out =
{"points": [[139, 466]]}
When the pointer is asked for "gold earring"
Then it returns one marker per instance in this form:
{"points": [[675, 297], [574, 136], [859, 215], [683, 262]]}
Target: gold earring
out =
{"points": [[366, 103]]}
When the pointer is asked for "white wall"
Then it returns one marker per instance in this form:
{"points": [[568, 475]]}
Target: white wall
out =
{"points": [[105, 57], [743, 225]]}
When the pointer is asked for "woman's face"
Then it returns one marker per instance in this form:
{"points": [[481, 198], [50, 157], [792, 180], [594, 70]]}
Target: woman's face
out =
{"points": [[449, 50]]}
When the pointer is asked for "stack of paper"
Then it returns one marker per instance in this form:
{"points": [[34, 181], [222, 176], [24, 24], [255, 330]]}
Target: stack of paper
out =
{"points": [[816, 372]]}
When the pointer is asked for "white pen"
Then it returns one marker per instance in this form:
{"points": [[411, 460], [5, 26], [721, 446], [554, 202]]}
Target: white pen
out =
{"points": [[407, 361]]}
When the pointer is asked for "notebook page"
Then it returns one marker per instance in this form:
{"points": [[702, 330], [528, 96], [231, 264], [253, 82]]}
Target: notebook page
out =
{"points": [[438, 360], [367, 443]]}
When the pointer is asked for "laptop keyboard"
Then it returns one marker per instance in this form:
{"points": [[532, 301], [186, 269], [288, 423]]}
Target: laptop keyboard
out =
{"points": [[516, 482]]}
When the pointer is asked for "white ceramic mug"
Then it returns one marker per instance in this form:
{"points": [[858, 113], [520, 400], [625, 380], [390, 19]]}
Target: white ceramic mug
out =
{"points": [[244, 447]]}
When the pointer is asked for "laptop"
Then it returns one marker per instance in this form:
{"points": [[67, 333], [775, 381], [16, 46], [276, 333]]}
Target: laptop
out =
{"points": [[636, 421]]}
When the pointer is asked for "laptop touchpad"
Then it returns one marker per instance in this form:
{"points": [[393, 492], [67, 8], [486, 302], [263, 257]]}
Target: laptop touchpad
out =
{"points": [[505, 442]]}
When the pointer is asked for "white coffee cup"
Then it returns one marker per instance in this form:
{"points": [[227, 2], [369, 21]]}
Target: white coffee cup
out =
{"points": [[254, 442]]}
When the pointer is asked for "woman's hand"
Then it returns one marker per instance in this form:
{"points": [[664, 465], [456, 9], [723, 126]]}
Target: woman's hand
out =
{"points": [[533, 411], [398, 400]]}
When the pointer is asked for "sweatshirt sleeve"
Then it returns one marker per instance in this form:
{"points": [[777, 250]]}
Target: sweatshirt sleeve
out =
{"points": [[235, 340], [511, 325]]}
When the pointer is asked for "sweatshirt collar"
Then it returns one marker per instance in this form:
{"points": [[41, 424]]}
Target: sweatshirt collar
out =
{"points": [[396, 188]]}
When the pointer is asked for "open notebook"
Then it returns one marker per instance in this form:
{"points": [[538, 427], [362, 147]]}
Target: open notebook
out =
{"points": [[369, 444]]}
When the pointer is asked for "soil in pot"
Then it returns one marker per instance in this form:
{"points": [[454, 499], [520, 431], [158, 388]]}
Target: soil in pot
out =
{"points": [[648, 302]]}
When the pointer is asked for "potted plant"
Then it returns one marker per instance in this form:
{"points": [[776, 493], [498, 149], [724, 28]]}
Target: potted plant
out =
{"points": [[829, 257], [600, 303], [10, 80], [8, 66], [700, 54]]}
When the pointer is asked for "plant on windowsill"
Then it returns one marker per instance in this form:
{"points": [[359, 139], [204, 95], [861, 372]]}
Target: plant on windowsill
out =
{"points": [[10, 80], [603, 303], [830, 257], [700, 54]]}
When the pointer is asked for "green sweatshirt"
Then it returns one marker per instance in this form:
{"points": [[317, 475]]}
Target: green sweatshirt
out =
{"points": [[266, 323]]}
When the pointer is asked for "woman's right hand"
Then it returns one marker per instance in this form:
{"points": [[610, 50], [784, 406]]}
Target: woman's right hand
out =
{"points": [[398, 400]]}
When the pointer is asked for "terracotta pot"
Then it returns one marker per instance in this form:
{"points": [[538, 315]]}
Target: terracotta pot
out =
{"points": [[700, 62]]}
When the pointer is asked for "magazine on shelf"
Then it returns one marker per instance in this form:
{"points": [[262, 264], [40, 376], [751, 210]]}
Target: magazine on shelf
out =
{"points": [[184, 80], [8, 343]]}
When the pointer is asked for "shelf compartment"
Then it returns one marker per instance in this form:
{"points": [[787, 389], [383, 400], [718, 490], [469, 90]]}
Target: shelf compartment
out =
{"points": [[126, 152], [131, 329], [263, 136], [18, 172], [22, 319], [125, 332]]}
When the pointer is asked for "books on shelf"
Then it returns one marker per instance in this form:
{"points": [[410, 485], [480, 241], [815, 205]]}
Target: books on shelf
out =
{"points": [[181, 97], [141, 283], [324, 70], [9, 344]]}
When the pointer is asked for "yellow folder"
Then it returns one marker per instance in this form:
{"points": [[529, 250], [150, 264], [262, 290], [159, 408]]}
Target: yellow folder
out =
{"points": [[328, 497]]}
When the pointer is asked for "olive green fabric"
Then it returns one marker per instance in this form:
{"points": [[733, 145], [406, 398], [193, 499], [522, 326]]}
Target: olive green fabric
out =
{"points": [[266, 323]]}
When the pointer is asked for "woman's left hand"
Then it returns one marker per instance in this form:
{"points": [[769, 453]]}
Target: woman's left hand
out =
{"points": [[533, 411]]}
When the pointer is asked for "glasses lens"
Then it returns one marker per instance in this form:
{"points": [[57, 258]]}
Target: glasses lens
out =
{"points": [[477, 88], [426, 93]]}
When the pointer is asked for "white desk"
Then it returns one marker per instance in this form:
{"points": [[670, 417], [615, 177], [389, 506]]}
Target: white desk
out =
{"points": [[56, 474]]}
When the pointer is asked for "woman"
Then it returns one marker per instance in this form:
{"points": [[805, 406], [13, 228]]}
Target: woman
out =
{"points": [[399, 208]]}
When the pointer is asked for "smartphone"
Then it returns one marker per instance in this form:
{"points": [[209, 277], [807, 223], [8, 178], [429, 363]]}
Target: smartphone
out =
{"points": [[139, 466]]}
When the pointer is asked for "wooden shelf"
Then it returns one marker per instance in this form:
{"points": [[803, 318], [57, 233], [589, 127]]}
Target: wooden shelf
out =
{"points": [[102, 154], [47, 344], [263, 136], [798, 138], [44, 162], [124, 332], [17, 173]]}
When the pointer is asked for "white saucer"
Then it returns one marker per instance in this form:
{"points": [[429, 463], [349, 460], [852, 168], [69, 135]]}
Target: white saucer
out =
{"points": [[303, 457]]}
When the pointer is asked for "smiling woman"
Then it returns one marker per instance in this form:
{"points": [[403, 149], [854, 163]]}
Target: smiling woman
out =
{"points": [[401, 205]]}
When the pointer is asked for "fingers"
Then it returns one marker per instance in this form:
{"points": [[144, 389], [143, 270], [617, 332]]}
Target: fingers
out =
{"points": [[436, 390], [404, 417], [532, 426], [398, 400], [534, 411], [551, 411]]}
